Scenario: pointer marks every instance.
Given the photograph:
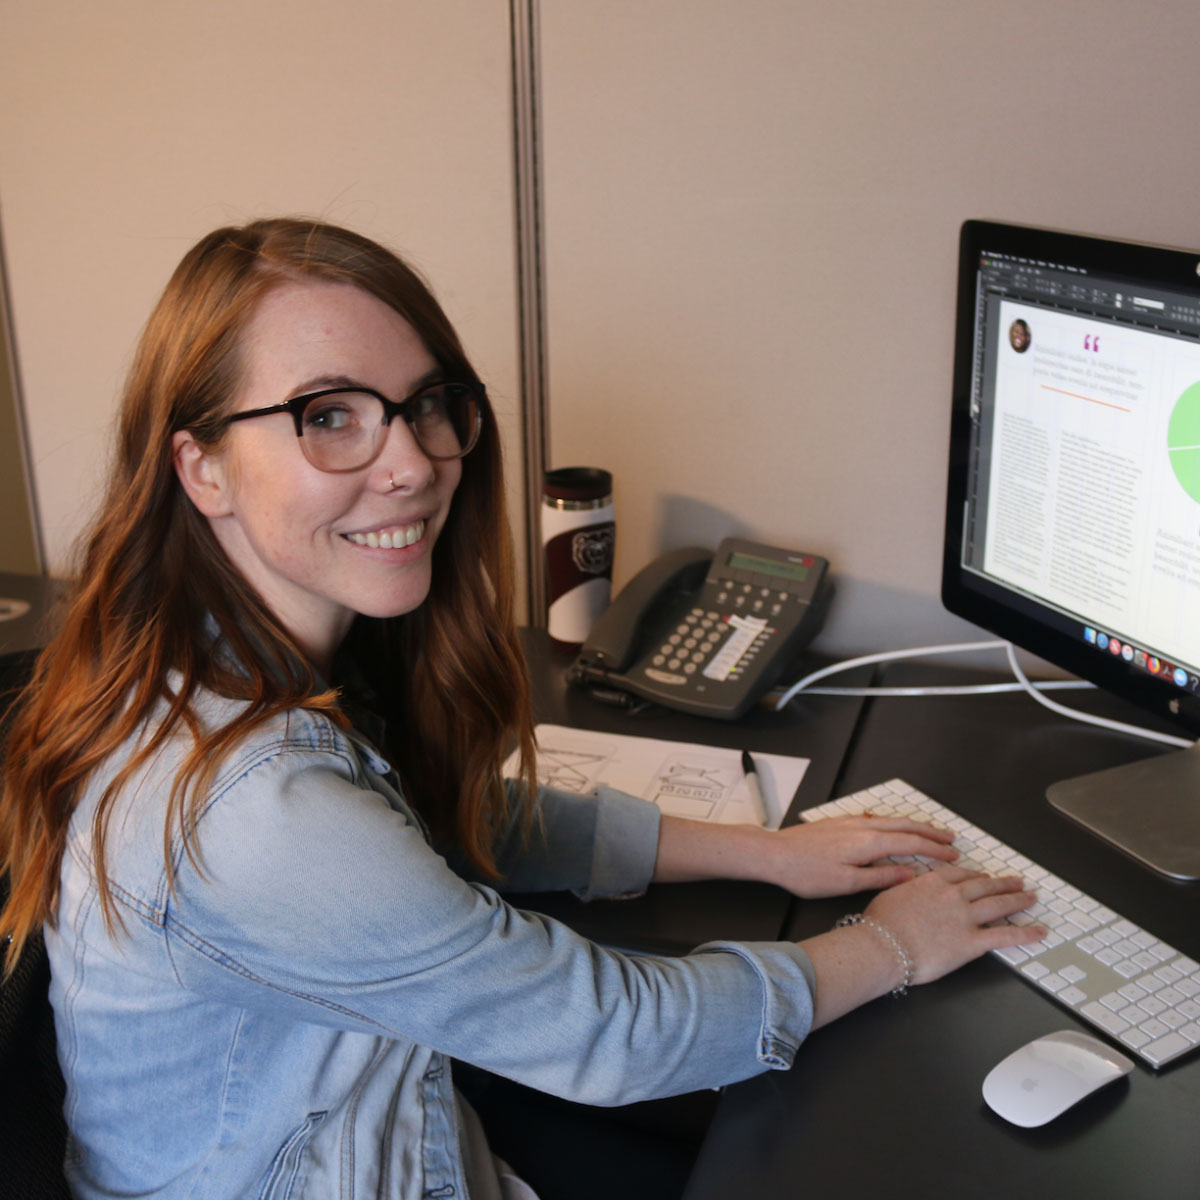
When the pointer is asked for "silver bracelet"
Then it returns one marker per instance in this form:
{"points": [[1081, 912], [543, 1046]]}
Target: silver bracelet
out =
{"points": [[892, 940]]}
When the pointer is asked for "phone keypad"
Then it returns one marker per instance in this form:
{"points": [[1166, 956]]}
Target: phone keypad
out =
{"points": [[698, 641], [720, 638], [692, 642]]}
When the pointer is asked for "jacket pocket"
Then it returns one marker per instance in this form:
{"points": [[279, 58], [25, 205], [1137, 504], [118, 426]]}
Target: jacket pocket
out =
{"points": [[284, 1174]]}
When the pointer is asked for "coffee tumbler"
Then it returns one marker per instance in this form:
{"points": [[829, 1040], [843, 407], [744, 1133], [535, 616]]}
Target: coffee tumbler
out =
{"points": [[578, 533]]}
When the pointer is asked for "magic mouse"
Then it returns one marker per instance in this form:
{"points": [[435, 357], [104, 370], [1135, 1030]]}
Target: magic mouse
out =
{"points": [[1043, 1079]]}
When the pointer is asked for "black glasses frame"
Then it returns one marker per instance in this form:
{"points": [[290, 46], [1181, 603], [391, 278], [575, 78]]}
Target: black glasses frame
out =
{"points": [[391, 408]]}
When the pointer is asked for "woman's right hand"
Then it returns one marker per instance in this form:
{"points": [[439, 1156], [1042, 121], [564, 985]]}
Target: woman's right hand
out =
{"points": [[942, 919]]}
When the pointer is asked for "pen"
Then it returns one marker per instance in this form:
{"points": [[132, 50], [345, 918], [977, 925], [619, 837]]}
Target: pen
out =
{"points": [[755, 788]]}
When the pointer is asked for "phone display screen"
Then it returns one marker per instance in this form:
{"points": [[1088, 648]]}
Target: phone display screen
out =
{"points": [[768, 566]]}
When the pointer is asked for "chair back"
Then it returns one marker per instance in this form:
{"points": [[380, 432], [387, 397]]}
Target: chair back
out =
{"points": [[33, 1134]]}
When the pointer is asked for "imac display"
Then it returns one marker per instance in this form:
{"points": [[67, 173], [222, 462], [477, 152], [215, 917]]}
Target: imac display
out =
{"points": [[1073, 510]]}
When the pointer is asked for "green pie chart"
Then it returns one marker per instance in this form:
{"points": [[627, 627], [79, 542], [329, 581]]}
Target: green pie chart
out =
{"points": [[1183, 441]]}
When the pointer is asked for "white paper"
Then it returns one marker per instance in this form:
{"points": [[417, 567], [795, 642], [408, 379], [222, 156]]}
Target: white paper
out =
{"points": [[685, 779]]}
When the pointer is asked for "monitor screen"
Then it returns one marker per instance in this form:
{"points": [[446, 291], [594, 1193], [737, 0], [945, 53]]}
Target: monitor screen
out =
{"points": [[1073, 512]]}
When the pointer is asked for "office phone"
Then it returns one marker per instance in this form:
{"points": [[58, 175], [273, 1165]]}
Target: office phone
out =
{"points": [[706, 632]]}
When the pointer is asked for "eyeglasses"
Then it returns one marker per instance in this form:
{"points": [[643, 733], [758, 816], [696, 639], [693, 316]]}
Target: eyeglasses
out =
{"points": [[343, 429]]}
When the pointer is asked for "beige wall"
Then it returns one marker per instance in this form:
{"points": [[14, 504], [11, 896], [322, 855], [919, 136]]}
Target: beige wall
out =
{"points": [[752, 214], [751, 220], [129, 128]]}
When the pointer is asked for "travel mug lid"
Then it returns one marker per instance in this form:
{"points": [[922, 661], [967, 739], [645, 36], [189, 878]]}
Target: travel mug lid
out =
{"points": [[577, 483]]}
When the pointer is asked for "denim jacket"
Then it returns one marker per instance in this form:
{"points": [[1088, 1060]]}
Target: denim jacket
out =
{"points": [[278, 1023]]}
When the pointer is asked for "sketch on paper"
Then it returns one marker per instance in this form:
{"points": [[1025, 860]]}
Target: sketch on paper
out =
{"points": [[688, 784], [572, 768], [685, 779]]}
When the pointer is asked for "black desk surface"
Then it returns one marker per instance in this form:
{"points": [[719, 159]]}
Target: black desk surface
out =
{"points": [[27, 614], [25, 629], [887, 1100]]}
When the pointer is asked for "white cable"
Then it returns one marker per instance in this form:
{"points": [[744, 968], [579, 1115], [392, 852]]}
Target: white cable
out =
{"points": [[1075, 715], [978, 689], [889, 656], [1023, 684]]}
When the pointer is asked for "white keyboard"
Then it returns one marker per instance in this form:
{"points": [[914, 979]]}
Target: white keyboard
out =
{"points": [[1105, 969]]}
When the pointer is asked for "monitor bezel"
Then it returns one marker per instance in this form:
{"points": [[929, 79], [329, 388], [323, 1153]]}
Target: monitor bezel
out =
{"points": [[963, 594]]}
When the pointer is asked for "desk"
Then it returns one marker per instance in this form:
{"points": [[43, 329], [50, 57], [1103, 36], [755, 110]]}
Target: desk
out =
{"points": [[27, 611], [887, 1100], [25, 630]]}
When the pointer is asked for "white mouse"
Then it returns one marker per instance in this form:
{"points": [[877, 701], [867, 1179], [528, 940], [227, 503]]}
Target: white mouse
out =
{"points": [[1043, 1079]]}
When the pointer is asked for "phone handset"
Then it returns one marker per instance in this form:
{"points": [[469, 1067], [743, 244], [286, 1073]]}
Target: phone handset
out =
{"points": [[614, 639]]}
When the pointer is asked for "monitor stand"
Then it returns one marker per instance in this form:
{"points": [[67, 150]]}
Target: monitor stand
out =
{"points": [[1149, 809]]}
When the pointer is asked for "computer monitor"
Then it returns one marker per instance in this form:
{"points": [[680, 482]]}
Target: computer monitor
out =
{"points": [[1073, 507]]}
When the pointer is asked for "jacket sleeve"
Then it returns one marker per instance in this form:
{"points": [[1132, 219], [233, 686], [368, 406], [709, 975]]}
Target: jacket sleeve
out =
{"points": [[601, 844], [315, 899]]}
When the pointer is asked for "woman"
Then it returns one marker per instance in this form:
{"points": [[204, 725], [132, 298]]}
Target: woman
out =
{"points": [[267, 915]]}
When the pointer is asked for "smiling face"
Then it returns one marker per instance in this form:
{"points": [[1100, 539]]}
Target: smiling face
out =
{"points": [[320, 547]]}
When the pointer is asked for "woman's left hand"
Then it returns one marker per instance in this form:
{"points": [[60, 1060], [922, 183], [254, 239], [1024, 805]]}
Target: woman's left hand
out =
{"points": [[839, 856]]}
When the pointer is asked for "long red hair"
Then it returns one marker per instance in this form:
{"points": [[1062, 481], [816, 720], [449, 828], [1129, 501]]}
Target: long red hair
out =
{"points": [[135, 633]]}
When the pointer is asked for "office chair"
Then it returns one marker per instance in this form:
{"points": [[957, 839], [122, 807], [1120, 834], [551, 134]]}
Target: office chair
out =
{"points": [[33, 1134]]}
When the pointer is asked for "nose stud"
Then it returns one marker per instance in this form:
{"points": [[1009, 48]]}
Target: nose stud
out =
{"points": [[391, 482]]}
